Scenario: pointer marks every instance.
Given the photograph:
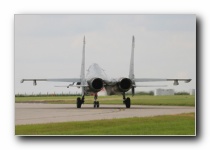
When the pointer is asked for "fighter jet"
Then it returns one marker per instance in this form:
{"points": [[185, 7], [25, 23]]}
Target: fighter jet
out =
{"points": [[96, 80]]}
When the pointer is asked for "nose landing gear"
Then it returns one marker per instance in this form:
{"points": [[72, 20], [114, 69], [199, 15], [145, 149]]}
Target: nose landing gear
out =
{"points": [[96, 103]]}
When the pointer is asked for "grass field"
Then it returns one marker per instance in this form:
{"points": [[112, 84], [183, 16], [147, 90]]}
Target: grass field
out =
{"points": [[175, 100], [183, 124]]}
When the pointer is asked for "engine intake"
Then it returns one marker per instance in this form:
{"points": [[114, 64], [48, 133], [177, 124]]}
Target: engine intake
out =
{"points": [[96, 84], [124, 84]]}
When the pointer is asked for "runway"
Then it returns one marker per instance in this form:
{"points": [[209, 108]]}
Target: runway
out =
{"points": [[36, 113]]}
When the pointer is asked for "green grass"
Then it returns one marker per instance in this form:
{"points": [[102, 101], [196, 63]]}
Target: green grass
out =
{"points": [[183, 124], [176, 100]]}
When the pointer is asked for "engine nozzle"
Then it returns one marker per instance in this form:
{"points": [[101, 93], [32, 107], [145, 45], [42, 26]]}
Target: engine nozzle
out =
{"points": [[124, 84], [96, 84]]}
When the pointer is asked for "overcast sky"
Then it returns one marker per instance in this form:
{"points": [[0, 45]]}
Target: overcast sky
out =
{"points": [[50, 46]]}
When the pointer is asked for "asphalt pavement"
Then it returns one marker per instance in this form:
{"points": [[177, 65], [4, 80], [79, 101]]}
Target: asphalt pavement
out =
{"points": [[36, 113]]}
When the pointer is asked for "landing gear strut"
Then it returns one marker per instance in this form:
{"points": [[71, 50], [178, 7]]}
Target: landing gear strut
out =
{"points": [[80, 101], [96, 103], [126, 101]]}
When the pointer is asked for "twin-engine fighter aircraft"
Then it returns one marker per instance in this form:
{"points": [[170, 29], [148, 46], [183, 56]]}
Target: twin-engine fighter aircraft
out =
{"points": [[96, 80]]}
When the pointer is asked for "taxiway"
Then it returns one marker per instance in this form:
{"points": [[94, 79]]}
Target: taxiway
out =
{"points": [[37, 113]]}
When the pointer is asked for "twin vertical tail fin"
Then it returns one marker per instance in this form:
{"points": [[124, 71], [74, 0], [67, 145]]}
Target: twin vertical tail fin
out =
{"points": [[82, 74], [131, 71]]}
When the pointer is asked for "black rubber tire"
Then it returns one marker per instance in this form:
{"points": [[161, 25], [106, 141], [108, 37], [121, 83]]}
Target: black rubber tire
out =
{"points": [[97, 104], [94, 104], [128, 102], [79, 102]]}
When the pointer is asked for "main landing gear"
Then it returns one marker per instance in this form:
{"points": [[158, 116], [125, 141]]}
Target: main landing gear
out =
{"points": [[126, 101], [80, 101]]}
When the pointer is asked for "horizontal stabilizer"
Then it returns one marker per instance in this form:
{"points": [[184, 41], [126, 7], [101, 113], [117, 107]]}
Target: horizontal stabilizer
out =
{"points": [[150, 85], [64, 80], [73, 86]]}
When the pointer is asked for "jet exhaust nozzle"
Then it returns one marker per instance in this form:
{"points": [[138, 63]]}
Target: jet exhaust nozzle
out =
{"points": [[96, 84], [124, 84]]}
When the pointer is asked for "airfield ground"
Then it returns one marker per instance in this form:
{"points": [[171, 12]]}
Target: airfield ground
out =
{"points": [[51, 110], [48, 113]]}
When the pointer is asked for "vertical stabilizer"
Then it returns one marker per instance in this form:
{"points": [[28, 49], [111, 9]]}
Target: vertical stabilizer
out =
{"points": [[82, 75], [131, 72]]}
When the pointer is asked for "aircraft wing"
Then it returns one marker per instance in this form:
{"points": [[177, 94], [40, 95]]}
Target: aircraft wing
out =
{"points": [[161, 79], [53, 80]]}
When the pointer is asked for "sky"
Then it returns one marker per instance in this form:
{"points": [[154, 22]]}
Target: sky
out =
{"points": [[50, 46]]}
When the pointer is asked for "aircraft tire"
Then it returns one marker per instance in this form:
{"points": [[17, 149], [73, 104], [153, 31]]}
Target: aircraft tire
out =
{"points": [[79, 102], [128, 102], [96, 104]]}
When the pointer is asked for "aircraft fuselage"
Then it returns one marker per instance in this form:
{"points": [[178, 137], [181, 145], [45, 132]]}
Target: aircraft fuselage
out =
{"points": [[97, 79]]}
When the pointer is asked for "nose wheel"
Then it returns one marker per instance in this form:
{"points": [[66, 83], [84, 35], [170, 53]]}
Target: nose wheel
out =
{"points": [[96, 104]]}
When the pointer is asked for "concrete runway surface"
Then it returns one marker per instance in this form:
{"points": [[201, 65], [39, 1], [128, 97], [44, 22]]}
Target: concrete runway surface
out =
{"points": [[34, 113]]}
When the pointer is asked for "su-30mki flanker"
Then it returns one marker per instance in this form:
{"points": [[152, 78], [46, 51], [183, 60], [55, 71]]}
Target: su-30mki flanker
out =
{"points": [[96, 80]]}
